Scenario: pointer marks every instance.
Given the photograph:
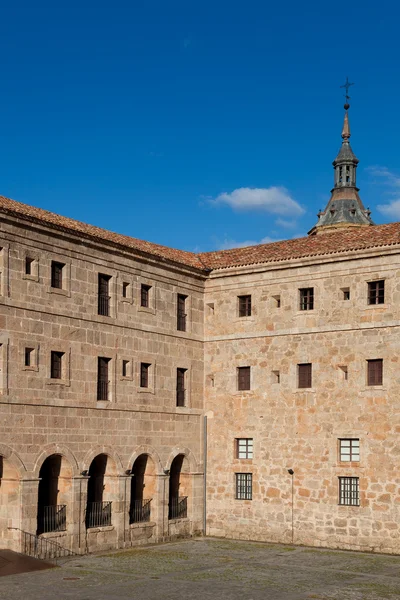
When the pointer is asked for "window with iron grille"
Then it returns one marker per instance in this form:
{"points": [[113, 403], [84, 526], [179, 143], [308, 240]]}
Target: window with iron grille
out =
{"points": [[375, 371], [145, 295], [181, 312], [180, 387], [349, 450], [244, 448], [57, 274], [56, 365], [104, 295], [29, 355], [304, 375], [244, 306], [244, 486], [243, 375], [306, 298], [102, 377], [28, 265], [144, 375], [349, 491], [376, 292]]}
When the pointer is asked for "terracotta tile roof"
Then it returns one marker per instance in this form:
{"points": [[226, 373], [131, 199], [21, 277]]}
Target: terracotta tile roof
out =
{"points": [[334, 242], [342, 240], [34, 214]]}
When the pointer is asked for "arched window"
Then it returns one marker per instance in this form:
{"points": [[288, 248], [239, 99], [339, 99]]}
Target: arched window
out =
{"points": [[142, 489], [98, 512], [177, 507], [51, 516]]}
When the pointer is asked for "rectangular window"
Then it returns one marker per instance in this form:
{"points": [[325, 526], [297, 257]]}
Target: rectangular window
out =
{"points": [[349, 450], [145, 295], [243, 374], [244, 306], [181, 312], [306, 298], [29, 357], [144, 375], [29, 265], [56, 365], [346, 293], [349, 491], [57, 274], [104, 295], [305, 375], [376, 292], [102, 378], [180, 387], [375, 371], [125, 289], [125, 368], [244, 448], [244, 486]]}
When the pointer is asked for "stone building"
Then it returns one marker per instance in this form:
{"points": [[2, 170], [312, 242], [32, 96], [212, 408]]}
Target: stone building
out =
{"points": [[149, 393]]}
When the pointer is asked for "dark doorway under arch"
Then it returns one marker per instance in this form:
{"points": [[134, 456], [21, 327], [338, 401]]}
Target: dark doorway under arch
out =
{"points": [[142, 489], [177, 506], [98, 512], [50, 515]]}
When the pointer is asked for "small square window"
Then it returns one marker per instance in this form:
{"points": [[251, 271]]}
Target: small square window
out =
{"points": [[244, 486], [306, 298], [349, 450], [244, 448], [346, 293], [243, 375], [305, 375], [56, 365], [244, 306], [57, 269], [144, 374], [29, 357], [376, 292], [349, 491], [145, 295], [375, 371]]}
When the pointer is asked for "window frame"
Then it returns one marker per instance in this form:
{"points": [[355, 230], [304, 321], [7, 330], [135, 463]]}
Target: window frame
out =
{"points": [[376, 292], [243, 378], [248, 448], [57, 359], [374, 374], [181, 387], [144, 375], [103, 391], [306, 297], [353, 447], [181, 312], [104, 294], [302, 375], [243, 486], [57, 278], [348, 496], [244, 305]]}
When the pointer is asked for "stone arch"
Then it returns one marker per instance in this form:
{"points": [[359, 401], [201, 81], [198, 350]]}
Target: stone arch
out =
{"points": [[108, 451], [151, 452], [61, 450], [12, 457], [190, 459]]}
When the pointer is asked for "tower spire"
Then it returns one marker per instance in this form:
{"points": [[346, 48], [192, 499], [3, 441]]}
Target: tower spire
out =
{"points": [[345, 208]]}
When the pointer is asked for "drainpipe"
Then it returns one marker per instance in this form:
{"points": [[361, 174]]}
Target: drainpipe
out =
{"points": [[205, 476]]}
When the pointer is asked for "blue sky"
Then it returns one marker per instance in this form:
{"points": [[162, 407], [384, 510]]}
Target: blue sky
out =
{"points": [[198, 125]]}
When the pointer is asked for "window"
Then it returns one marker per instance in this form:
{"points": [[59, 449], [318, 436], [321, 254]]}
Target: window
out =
{"points": [[277, 300], [244, 486], [104, 295], [57, 274], [29, 265], [349, 491], [145, 295], [349, 450], [29, 357], [125, 368], [375, 372], [244, 448], [304, 375], [345, 372], [102, 378], [181, 312], [376, 292], [306, 298], [346, 293], [276, 377], [144, 375], [125, 289], [180, 387], [244, 306], [56, 365], [243, 378]]}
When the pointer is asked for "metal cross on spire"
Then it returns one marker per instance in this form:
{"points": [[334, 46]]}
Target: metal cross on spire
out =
{"points": [[346, 86]]}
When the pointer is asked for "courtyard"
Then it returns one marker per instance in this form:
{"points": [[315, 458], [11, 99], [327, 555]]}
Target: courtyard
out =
{"points": [[204, 568]]}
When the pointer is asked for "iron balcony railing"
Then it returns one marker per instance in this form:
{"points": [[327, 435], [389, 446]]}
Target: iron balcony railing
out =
{"points": [[52, 518], [178, 508], [104, 305], [139, 511], [98, 514], [102, 389]]}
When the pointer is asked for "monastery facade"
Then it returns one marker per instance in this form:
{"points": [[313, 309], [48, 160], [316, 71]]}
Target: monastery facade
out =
{"points": [[148, 393]]}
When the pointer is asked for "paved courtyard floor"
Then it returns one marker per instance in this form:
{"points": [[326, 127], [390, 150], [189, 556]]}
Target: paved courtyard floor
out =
{"points": [[209, 568]]}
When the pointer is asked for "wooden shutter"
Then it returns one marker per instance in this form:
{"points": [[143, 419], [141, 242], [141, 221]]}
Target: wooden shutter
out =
{"points": [[243, 378], [375, 372], [305, 375]]}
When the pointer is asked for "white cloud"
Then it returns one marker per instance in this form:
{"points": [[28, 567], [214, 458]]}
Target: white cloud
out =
{"points": [[392, 182], [274, 200], [228, 243], [286, 223]]}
